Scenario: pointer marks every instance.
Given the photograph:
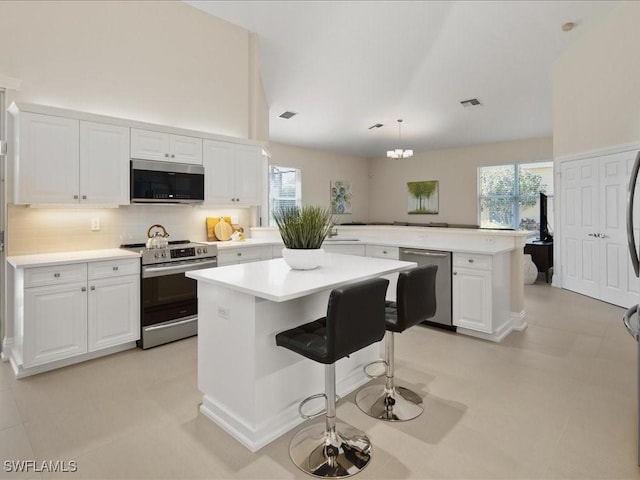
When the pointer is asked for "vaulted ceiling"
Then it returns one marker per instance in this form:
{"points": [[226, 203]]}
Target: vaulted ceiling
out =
{"points": [[344, 66]]}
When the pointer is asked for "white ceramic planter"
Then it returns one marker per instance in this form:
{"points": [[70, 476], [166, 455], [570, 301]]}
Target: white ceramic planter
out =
{"points": [[530, 270], [303, 259]]}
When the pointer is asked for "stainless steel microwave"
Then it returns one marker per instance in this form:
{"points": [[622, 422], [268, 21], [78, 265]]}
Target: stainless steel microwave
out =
{"points": [[166, 182]]}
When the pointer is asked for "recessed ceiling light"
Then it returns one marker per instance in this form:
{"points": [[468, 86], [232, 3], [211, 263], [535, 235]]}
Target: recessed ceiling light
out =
{"points": [[472, 102], [567, 27], [287, 115], [377, 125]]}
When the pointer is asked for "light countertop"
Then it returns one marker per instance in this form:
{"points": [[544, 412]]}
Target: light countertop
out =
{"points": [[45, 259], [275, 281]]}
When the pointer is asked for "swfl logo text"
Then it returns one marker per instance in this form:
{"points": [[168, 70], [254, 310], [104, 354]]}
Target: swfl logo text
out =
{"points": [[58, 466]]}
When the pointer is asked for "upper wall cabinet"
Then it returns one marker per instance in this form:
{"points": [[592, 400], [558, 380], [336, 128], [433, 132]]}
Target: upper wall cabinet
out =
{"points": [[67, 161], [150, 145], [233, 174]]}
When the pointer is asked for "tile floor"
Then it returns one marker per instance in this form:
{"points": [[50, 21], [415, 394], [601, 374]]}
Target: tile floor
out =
{"points": [[555, 401]]}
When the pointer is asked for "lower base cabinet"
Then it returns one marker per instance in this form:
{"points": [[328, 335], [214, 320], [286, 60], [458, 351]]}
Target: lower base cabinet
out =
{"points": [[478, 286], [75, 309]]}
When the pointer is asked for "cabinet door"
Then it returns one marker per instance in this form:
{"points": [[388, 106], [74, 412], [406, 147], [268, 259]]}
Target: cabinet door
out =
{"points": [[185, 149], [149, 145], [46, 170], [55, 322], [114, 311], [472, 299], [219, 173], [104, 164], [249, 175]]}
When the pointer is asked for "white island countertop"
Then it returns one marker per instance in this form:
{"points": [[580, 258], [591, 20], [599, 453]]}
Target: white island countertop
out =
{"points": [[274, 280]]}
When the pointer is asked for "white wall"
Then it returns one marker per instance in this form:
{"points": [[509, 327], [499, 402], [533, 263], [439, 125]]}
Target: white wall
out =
{"points": [[155, 61], [319, 167], [455, 169], [596, 85]]}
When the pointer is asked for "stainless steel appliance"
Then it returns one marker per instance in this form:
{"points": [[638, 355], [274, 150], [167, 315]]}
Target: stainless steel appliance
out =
{"points": [[166, 182], [169, 300], [442, 259], [630, 317]]}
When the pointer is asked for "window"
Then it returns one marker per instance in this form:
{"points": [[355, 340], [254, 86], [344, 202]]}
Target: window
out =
{"points": [[509, 195], [285, 189]]}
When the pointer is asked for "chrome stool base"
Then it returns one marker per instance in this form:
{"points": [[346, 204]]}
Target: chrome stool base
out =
{"points": [[324, 453], [397, 404]]}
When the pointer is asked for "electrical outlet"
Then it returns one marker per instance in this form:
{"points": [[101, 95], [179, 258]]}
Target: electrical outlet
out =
{"points": [[234, 219], [95, 224], [223, 313]]}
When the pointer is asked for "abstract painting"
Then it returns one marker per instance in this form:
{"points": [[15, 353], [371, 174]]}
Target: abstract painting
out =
{"points": [[423, 197], [340, 194]]}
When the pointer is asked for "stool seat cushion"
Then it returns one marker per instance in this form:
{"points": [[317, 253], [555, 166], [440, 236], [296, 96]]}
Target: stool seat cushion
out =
{"points": [[309, 340]]}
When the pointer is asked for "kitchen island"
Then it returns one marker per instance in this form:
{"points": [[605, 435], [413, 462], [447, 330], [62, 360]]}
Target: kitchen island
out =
{"points": [[251, 388]]}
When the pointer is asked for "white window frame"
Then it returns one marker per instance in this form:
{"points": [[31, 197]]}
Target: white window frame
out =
{"points": [[273, 195]]}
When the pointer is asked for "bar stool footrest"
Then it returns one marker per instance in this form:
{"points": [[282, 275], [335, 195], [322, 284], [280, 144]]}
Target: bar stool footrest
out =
{"points": [[313, 397], [375, 362]]}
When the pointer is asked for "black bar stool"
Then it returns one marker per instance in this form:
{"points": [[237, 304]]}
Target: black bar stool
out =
{"points": [[415, 303], [355, 319]]}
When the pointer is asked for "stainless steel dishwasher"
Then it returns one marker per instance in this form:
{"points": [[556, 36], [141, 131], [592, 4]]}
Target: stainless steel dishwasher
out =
{"points": [[442, 259]]}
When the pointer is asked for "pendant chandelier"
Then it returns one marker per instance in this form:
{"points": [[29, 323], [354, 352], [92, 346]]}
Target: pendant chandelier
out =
{"points": [[399, 152]]}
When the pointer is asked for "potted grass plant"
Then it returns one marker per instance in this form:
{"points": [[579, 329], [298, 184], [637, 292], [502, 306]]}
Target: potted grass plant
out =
{"points": [[303, 230]]}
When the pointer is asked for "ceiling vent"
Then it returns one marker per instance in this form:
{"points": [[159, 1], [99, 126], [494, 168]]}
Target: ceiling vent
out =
{"points": [[472, 102], [287, 115], [377, 125]]}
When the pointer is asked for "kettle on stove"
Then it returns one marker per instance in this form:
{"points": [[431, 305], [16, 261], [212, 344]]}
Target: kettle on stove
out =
{"points": [[158, 240]]}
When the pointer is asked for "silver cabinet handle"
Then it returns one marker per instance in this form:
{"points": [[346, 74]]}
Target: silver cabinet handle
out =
{"points": [[591, 234], [384, 251], [83, 289], [115, 269], [455, 273], [84, 197], [626, 318], [173, 155], [631, 240], [93, 287], [470, 260], [56, 275], [75, 197], [239, 254], [166, 155]]}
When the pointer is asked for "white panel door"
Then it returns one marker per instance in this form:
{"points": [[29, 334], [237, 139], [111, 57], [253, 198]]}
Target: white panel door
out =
{"points": [[618, 283], [219, 173], [114, 311], [249, 175], [185, 149], [55, 322], [104, 164], [47, 167], [149, 145], [579, 218]]}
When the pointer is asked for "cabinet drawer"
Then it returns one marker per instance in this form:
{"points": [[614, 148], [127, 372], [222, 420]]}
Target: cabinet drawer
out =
{"points": [[380, 251], [344, 249], [38, 276], [468, 260], [236, 255], [114, 268]]}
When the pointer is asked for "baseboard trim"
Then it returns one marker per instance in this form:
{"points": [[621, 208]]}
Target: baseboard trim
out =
{"points": [[517, 320]]}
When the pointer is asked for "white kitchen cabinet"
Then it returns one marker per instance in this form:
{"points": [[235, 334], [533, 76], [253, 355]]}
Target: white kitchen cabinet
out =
{"points": [[350, 249], [233, 256], [593, 236], [71, 310], [104, 164], [113, 311], [159, 146], [46, 166], [234, 174], [55, 324], [68, 162], [479, 305], [392, 253]]}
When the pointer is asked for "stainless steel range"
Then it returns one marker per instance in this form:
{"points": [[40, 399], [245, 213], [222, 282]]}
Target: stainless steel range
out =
{"points": [[169, 300]]}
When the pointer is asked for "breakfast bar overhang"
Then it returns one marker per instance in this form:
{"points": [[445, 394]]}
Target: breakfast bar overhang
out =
{"points": [[251, 388]]}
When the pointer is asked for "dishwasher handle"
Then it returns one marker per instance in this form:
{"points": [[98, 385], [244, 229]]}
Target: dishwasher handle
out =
{"points": [[423, 253]]}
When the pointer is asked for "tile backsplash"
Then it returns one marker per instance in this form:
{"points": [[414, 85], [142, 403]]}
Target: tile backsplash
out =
{"points": [[47, 230]]}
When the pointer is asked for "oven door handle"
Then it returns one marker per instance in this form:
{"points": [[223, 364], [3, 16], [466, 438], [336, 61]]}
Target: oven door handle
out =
{"points": [[169, 325], [149, 272]]}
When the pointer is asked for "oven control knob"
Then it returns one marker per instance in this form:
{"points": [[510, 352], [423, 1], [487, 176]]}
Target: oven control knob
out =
{"points": [[164, 254], [199, 251], [157, 255], [204, 250]]}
